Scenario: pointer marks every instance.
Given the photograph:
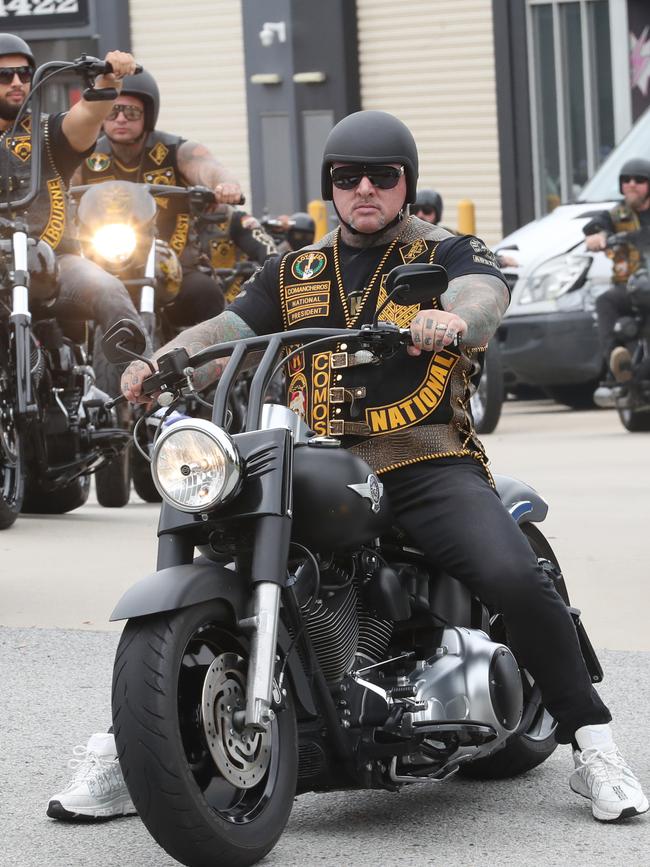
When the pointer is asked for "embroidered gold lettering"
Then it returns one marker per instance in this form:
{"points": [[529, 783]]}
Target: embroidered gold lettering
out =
{"points": [[53, 232]]}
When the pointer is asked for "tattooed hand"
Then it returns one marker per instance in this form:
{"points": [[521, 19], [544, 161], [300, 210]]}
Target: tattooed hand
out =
{"points": [[432, 330], [131, 382], [228, 193]]}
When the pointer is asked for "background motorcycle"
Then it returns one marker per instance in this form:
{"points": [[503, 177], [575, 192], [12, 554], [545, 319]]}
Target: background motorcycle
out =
{"points": [[116, 224], [54, 430], [632, 399], [310, 647]]}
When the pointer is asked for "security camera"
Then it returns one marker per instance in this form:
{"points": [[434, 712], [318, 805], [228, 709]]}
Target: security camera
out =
{"points": [[266, 36]]}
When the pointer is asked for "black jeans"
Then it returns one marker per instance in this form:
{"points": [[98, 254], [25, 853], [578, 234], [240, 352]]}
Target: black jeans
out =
{"points": [[610, 306], [89, 292], [200, 298], [451, 512]]}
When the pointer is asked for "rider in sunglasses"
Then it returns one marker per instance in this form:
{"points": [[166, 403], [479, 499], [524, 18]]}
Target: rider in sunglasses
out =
{"points": [[631, 214], [85, 291]]}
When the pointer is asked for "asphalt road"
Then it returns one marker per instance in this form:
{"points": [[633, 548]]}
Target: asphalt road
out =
{"points": [[60, 577]]}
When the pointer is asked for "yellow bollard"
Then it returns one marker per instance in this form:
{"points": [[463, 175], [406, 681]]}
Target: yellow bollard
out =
{"points": [[318, 212], [466, 217]]}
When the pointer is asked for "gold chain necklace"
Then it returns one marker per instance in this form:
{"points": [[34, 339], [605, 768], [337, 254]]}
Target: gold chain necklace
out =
{"points": [[349, 318]]}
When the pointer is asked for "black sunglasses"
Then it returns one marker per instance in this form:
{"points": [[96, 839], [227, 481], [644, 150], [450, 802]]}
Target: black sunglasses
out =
{"points": [[638, 179], [382, 177], [130, 112], [427, 210], [24, 73]]}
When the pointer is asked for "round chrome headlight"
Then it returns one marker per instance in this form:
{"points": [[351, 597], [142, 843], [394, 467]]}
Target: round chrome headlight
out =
{"points": [[195, 466]]}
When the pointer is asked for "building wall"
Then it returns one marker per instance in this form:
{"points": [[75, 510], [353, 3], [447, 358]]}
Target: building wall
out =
{"points": [[195, 50], [432, 64]]}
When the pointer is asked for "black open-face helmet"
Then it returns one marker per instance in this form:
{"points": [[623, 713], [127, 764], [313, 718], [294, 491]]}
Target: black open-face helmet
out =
{"points": [[427, 200], [143, 85], [12, 44], [374, 138], [301, 231], [636, 166]]}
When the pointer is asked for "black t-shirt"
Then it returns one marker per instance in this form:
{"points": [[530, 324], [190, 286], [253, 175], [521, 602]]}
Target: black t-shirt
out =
{"points": [[66, 158], [259, 302]]}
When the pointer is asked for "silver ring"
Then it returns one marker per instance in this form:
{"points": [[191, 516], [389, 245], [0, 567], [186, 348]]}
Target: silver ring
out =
{"points": [[440, 325]]}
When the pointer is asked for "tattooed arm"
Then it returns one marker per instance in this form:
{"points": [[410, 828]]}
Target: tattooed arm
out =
{"points": [[472, 308], [479, 299], [199, 167], [221, 329]]}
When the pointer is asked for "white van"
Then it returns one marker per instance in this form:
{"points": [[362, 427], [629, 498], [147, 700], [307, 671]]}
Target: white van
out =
{"points": [[548, 337]]}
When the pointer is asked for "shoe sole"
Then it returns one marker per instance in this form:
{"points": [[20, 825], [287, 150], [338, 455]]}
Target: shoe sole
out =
{"points": [[56, 810], [627, 813], [620, 363]]}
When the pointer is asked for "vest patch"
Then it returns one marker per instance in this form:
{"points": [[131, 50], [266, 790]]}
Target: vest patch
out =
{"points": [[409, 252], [320, 378], [309, 265], [53, 232], [20, 146], [396, 313], [304, 301], [179, 238], [98, 162], [158, 153], [297, 395], [418, 405]]}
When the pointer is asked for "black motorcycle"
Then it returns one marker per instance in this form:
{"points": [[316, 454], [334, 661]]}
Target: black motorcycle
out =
{"points": [[632, 398], [54, 428], [310, 646]]}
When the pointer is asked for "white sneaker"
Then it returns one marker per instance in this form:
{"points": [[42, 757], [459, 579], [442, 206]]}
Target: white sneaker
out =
{"points": [[97, 789], [603, 776]]}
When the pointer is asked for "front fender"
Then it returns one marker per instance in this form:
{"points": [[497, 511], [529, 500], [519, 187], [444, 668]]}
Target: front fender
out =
{"points": [[522, 501], [181, 586]]}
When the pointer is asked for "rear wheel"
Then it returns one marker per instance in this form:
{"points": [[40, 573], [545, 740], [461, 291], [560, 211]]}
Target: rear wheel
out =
{"points": [[534, 741], [204, 788], [66, 498]]}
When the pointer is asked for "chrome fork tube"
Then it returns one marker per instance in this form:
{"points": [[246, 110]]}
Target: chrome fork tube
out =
{"points": [[263, 627]]}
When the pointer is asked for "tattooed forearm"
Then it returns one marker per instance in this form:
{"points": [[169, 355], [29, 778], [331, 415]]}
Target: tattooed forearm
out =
{"points": [[479, 299], [223, 328], [199, 166]]}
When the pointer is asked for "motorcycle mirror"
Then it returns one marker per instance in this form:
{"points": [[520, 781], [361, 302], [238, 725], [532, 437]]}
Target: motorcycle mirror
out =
{"points": [[123, 341], [414, 284]]}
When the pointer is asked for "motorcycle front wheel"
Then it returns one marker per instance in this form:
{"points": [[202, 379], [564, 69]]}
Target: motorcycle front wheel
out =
{"points": [[206, 791], [487, 401], [534, 741]]}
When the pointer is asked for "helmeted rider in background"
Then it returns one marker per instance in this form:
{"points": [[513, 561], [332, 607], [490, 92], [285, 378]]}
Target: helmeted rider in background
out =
{"points": [[299, 230], [132, 149], [427, 206], [408, 419], [232, 237], [630, 215], [86, 291]]}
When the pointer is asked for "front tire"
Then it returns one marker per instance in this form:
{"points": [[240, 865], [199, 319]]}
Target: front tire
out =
{"points": [[534, 741], [635, 421], [188, 799]]}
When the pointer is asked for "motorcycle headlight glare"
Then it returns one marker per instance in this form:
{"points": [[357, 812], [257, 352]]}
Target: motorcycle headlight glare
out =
{"points": [[554, 278], [115, 242], [195, 466]]}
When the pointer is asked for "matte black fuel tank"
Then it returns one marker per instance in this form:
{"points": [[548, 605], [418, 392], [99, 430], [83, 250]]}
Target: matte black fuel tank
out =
{"points": [[329, 514]]}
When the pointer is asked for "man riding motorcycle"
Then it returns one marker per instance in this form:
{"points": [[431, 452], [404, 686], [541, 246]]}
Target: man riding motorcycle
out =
{"points": [[407, 419], [86, 291], [630, 215], [230, 237], [132, 149]]}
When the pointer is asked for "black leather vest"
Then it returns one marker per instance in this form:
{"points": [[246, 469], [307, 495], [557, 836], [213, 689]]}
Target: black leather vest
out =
{"points": [[47, 216], [394, 413], [158, 165]]}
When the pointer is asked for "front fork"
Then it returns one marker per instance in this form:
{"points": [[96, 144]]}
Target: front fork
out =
{"points": [[148, 294], [21, 319], [269, 561]]}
